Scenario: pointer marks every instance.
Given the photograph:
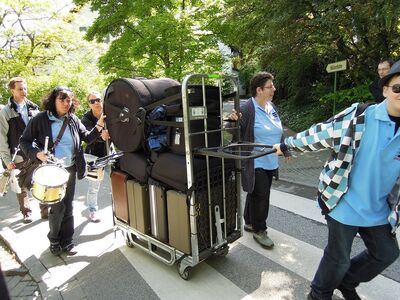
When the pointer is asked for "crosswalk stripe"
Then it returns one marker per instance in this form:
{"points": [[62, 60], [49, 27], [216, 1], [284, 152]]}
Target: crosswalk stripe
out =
{"points": [[206, 283], [303, 259], [300, 206]]}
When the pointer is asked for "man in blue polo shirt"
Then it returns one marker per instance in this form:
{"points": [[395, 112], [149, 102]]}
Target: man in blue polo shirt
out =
{"points": [[354, 187]]}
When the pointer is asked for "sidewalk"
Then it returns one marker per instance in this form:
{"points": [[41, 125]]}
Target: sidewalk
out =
{"points": [[48, 276]]}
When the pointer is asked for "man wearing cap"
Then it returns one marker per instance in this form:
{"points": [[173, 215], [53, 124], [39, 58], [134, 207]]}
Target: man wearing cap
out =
{"points": [[354, 187], [375, 88], [13, 119]]}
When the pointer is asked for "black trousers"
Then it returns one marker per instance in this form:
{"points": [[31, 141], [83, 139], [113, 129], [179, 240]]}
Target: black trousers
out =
{"points": [[257, 203], [61, 219]]}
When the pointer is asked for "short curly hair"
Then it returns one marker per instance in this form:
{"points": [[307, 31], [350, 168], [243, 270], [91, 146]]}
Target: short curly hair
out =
{"points": [[259, 80]]}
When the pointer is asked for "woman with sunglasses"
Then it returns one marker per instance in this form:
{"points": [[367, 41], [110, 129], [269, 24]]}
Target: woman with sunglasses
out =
{"points": [[356, 184], [96, 148], [59, 108]]}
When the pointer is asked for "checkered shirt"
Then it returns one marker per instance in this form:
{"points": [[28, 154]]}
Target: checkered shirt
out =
{"points": [[342, 134]]}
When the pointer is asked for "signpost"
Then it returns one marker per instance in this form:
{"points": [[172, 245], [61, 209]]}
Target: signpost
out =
{"points": [[334, 68]]}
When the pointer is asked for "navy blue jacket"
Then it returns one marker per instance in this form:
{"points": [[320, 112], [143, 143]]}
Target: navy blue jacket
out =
{"points": [[33, 139]]}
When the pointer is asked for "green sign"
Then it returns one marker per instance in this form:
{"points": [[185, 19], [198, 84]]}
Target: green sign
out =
{"points": [[337, 66]]}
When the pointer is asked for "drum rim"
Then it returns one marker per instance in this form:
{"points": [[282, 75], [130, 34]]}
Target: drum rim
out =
{"points": [[48, 185]]}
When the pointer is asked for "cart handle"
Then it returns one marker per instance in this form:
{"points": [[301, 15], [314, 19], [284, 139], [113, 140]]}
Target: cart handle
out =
{"points": [[239, 151]]}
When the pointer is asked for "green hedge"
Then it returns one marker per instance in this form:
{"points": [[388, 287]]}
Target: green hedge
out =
{"points": [[301, 117]]}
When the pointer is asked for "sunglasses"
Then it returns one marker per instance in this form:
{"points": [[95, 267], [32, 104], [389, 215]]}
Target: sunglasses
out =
{"points": [[395, 88], [93, 101]]}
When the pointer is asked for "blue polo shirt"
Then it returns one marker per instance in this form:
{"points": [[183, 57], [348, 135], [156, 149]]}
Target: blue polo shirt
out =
{"points": [[267, 130], [375, 169], [65, 148]]}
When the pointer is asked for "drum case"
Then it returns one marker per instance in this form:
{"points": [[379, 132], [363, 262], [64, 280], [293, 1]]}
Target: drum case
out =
{"points": [[123, 104], [177, 179], [136, 164]]}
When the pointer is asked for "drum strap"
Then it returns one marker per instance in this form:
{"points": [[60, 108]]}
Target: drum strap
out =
{"points": [[61, 132]]}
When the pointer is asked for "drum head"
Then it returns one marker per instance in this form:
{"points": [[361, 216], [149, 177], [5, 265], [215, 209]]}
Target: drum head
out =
{"points": [[50, 175]]}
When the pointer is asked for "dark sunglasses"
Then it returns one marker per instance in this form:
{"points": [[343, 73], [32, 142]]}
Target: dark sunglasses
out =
{"points": [[395, 88], [93, 101]]}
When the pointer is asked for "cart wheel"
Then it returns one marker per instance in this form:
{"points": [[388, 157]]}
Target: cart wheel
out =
{"points": [[127, 240], [223, 252], [185, 273]]}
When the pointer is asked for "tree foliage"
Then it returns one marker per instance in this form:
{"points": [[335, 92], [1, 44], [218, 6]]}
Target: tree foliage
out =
{"points": [[43, 44], [156, 38], [297, 39]]}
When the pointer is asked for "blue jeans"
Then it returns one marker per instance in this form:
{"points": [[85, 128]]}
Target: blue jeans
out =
{"points": [[92, 195], [336, 268]]}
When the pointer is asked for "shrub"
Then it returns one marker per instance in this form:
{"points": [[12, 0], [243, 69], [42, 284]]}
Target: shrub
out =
{"points": [[301, 117]]}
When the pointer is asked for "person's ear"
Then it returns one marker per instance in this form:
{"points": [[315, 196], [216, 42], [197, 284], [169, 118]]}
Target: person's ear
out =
{"points": [[385, 91]]}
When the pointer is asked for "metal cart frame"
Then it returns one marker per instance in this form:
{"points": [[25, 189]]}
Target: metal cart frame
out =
{"points": [[220, 245]]}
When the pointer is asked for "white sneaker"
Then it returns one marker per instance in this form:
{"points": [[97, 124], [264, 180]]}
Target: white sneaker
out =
{"points": [[93, 217]]}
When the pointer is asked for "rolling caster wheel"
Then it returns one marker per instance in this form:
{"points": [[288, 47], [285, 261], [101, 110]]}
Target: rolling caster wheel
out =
{"points": [[127, 240], [184, 273], [222, 252]]}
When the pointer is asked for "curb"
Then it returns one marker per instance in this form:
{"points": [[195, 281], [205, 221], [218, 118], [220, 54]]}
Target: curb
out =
{"points": [[296, 182], [35, 268]]}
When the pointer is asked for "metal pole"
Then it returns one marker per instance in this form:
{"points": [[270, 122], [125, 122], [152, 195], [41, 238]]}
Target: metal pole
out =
{"points": [[334, 90]]}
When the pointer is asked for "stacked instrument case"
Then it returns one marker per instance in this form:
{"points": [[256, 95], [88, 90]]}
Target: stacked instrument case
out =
{"points": [[181, 206]]}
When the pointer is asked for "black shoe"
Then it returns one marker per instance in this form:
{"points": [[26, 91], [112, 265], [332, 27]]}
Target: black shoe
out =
{"points": [[69, 249], [55, 249], [348, 294], [311, 296]]}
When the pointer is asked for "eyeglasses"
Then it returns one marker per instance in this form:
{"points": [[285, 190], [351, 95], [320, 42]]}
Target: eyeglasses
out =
{"points": [[67, 100], [93, 101], [395, 88]]}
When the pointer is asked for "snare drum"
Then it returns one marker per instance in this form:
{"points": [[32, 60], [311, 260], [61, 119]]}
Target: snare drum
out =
{"points": [[96, 174], [49, 183]]}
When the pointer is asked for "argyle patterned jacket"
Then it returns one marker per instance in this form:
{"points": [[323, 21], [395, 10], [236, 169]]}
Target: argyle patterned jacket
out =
{"points": [[342, 134]]}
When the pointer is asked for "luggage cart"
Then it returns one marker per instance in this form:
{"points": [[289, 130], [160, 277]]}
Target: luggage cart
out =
{"points": [[214, 213]]}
